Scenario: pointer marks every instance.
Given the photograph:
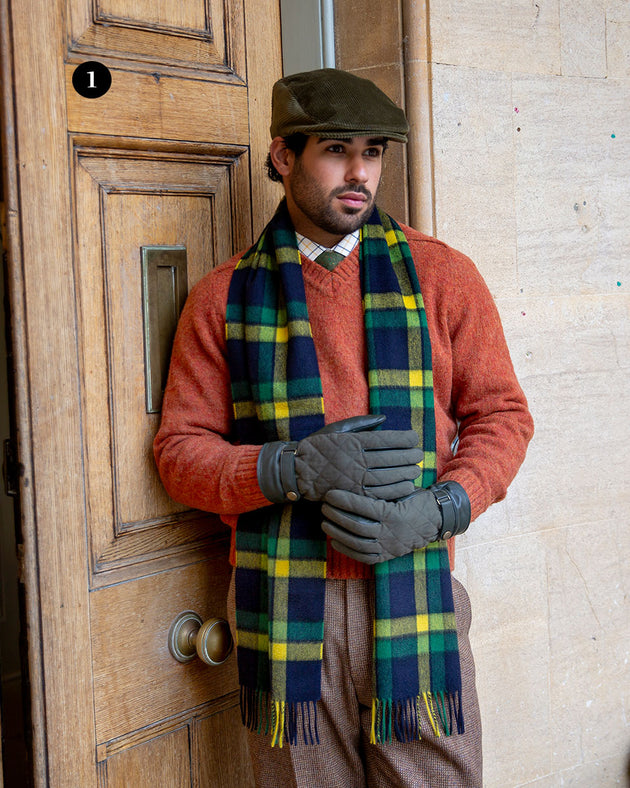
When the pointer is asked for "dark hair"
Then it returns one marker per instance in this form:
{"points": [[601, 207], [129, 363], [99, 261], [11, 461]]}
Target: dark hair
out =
{"points": [[294, 142]]}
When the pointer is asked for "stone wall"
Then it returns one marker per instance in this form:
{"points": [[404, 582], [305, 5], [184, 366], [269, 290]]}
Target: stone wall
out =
{"points": [[530, 120]]}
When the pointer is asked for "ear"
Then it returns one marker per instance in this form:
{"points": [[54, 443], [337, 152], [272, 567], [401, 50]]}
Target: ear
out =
{"points": [[281, 156]]}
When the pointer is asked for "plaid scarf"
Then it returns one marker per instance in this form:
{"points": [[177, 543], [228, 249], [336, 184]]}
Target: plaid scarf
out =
{"points": [[281, 550]]}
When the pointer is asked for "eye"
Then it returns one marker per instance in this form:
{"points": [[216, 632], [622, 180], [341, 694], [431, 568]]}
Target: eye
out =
{"points": [[374, 153], [335, 148]]}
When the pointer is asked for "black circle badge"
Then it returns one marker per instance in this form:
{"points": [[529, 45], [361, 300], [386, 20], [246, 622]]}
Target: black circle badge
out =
{"points": [[91, 79]]}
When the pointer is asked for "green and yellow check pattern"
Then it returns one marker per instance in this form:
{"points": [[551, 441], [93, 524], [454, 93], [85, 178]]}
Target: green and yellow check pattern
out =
{"points": [[281, 550]]}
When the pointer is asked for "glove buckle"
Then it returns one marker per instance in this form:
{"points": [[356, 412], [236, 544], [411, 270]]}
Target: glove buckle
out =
{"points": [[287, 471]]}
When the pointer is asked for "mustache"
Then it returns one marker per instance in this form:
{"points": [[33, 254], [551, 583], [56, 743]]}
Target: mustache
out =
{"points": [[359, 188]]}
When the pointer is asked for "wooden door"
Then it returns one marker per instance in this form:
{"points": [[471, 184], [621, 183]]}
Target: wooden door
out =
{"points": [[171, 155]]}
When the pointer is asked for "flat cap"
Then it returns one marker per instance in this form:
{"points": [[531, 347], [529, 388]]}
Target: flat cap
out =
{"points": [[330, 102]]}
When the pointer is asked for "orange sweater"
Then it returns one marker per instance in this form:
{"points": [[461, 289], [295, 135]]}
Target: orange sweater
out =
{"points": [[476, 392]]}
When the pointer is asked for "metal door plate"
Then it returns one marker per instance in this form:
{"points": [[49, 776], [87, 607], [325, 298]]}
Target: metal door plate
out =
{"points": [[164, 291]]}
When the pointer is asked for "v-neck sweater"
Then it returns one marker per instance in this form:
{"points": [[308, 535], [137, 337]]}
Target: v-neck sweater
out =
{"points": [[479, 405]]}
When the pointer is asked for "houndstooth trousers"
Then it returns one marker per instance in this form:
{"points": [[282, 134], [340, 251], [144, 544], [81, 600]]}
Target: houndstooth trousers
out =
{"points": [[345, 758]]}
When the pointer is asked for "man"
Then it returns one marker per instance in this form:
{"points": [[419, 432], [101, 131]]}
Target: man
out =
{"points": [[352, 637]]}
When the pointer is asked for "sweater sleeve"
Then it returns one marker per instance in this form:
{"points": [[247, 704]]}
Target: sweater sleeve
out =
{"points": [[198, 465], [474, 380]]}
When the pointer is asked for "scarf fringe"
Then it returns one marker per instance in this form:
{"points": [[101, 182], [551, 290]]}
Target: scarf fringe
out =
{"points": [[260, 713], [399, 720]]}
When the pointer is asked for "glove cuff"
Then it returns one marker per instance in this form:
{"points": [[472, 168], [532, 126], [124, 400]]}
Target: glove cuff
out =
{"points": [[455, 508], [276, 472]]}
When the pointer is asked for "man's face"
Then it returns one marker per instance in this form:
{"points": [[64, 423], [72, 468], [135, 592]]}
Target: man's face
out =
{"points": [[331, 187]]}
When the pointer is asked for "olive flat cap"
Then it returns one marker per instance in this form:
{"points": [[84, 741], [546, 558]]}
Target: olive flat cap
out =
{"points": [[330, 102]]}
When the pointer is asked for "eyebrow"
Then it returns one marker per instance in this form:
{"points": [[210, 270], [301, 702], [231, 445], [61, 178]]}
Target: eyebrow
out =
{"points": [[370, 143]]}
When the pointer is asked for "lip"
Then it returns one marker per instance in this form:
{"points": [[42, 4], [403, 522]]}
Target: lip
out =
{"points": [[352, 199]]}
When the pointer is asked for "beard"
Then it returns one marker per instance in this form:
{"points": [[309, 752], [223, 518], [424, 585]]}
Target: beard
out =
{"points": [[317, 205]]}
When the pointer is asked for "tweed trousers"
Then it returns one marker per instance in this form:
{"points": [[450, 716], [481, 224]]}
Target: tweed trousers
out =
{"points": [[345, 757]]}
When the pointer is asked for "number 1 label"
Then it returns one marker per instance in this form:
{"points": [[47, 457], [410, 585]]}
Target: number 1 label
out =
{"points": [[91, 80]]}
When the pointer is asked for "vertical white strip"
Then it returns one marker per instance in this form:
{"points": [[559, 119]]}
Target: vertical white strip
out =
{"points": [[328, 33], [308, 37]]}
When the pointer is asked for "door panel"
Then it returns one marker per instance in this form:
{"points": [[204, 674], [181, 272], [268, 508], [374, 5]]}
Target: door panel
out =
{"points": [[137, 683], [171, 156], [197, 34], [163, 761], [198, 200]]}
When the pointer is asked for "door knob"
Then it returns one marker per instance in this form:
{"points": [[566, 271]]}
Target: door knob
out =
{"points": [[189, 636]]}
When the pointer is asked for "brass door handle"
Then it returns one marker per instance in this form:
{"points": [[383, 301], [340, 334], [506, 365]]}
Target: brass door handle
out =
{"points": [[189, 636]]}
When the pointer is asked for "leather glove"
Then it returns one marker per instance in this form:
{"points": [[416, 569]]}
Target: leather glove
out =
{"points": [[373, 531], [344, 455]]}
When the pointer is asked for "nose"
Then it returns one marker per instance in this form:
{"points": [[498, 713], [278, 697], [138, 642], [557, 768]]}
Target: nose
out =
{"points": [[356, 171]]}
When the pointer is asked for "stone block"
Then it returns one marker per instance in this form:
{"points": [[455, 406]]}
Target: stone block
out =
{"points": [[589, 678], [369, 34], [583, 37], [474, 167], [617, 37], [510, 35], [507, 583], [571, 189], [604, 773]]}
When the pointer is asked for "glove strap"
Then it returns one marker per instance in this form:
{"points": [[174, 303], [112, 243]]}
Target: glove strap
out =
{"points": [[276, 471], [455, 507]]}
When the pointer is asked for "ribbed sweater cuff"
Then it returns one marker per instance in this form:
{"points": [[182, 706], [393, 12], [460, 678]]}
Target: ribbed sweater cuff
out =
{"points": [[246, 480]]}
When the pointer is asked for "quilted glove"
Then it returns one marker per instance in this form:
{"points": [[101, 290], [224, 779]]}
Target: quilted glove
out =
{"points": [[345, 455], [372, 531]]}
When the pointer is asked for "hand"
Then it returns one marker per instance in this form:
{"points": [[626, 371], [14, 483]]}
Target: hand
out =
{"points": [[344, 455], [373, 531]]}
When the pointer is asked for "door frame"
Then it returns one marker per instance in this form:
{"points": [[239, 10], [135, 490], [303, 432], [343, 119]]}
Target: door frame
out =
{"points": [[36, 160]]}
